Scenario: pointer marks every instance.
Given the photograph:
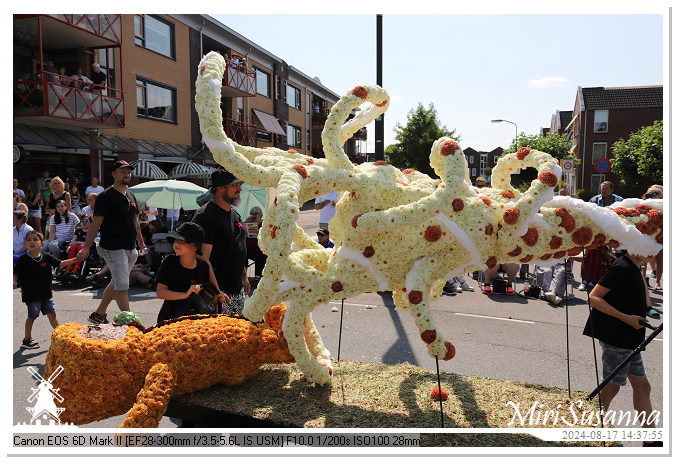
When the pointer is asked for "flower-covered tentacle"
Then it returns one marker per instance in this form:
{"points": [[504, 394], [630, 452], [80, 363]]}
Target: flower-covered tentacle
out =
{"points": [[152, 399], [335, 132], [516, 217], [208, 98], [294, 331], [418, 293], [314, 342]]}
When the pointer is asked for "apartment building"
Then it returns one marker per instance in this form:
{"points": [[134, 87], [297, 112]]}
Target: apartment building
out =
{"points": [[144, 108], [604, 115]]}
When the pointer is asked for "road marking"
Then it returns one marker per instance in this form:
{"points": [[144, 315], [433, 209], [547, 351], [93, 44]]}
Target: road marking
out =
{"points": [[493, 317]]}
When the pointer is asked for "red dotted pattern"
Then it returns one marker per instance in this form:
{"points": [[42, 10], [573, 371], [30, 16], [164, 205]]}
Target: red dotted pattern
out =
{"points": [[582, 236], [450, 352], [337, 286], [522, 153], [654, 217], [361, 92], [548, 178], [574, 251], [381, 104], [449, 147], [642, 227], [531, 236], [428, 336], [432, 234], [354, 221], [555, 242], [458, 205], [408, 171], [415, 297], [658, 238], [369, 252], [439, 395], [644, 209], [507, 194], [301, 170], [310, 160], [292, 150], [491, 262], [560, 254], [613, 243], [486, 200], [273, 231], [545, 257], [515, 252], [380, 163], [511, 216], [489, 229], [526, 259]]}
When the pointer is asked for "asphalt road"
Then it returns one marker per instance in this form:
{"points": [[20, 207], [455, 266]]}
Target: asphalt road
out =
{"points": [[496, 336]]}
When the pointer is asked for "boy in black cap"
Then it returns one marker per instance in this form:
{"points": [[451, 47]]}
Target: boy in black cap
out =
{"points": [[324, 238], [181, 275], [225, 246]]}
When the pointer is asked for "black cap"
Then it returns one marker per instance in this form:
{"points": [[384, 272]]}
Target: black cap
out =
{"points": [[322, 232], [121, 164], [222, 178], [190, 232]]}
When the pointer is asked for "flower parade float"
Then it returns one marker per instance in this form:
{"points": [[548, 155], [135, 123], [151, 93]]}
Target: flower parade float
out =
{"points": [[111, 370], [402, 231]]}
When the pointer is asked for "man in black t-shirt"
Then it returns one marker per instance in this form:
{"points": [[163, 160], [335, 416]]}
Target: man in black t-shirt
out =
{"points": [[224, 246], [115, 218], [619, 300]]}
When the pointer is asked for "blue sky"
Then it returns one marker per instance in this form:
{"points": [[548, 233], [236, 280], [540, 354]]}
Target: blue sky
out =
{"points": [[474, 68]]}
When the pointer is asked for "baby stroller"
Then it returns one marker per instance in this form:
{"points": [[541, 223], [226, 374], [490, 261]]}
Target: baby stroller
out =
{"points": [[78, 271]]}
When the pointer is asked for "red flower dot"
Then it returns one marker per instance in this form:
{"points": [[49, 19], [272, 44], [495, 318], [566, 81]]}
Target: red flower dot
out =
{"points": [[562, 212], [491, 262], [598, 240], [275, 201], [489, 229], [526, 259], [428, 336], [507, 194], [439, 395], [450, 351], [361, 92], [449, 147], [642, 227], [644, 209], [432, 234], [522, 153], [408, 171], [511, 215], [310, 160], [654, 217], [582, 236], [568, 223], [613, 243], [292, 150], [380, 163], [574, 251], [560, 254], [381, 104], [531, 236], [545, 257], [273, 231], [301, 170], [515, 252], [337, 286], [458, 205], [415, 297], [658, 238], [354, 221], [369, 252], [486, 200], [548, 178]]}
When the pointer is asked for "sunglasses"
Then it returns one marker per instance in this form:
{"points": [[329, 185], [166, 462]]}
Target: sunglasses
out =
{"points": [[85, 221]]}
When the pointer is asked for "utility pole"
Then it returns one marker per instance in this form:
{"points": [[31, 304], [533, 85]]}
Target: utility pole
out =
{"points": [[379, 122]]}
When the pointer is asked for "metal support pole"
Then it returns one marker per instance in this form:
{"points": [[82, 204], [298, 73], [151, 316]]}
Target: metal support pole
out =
{"points": [[379, 122]]}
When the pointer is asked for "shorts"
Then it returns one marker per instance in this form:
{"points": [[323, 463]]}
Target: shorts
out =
{"points": [[35, 213], [40, 306], [120, 262], [612, 356]]}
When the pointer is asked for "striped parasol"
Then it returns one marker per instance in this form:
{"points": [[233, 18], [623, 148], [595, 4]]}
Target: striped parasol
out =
{"points": [[144, 169], [191, 170]]}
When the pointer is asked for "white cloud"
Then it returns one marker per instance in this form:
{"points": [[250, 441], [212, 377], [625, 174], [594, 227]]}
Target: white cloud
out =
{"points": [[547, 82]]}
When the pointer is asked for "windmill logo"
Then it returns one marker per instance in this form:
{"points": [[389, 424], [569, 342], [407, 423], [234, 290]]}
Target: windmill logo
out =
{"points": [[45, 408]]}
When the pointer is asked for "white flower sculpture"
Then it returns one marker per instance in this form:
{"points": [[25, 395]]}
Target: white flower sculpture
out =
{"points": [[402, 230]]}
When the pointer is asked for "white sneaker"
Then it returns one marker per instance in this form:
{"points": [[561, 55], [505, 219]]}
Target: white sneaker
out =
{"points": [[582, 287], [551, 296], [457, 288], [466, 287]]}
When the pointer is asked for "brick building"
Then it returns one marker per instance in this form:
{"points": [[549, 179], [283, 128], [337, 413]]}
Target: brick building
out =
{"points": [[478, 161], [604, 115], [145, 106]]}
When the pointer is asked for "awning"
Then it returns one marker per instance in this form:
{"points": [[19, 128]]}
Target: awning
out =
{"points": [[63, 138], [269, 122]]}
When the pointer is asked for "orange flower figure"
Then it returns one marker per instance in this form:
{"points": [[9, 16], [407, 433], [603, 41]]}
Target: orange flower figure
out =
{"points": [[437, 395]]}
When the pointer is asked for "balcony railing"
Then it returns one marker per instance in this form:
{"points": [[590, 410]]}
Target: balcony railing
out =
{"points": [[104, 25], [69, 99], [240, 78], [240, 132]]}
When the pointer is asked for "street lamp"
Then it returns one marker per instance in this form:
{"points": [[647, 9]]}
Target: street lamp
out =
{"points": [[516, 128]]}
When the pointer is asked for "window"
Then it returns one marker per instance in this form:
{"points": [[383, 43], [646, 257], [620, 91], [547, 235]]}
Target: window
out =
{"points": [[154, 34], [471, 159], [598, 151], [265, 136], [601, 121], [495, 159], [294, 97], [294, 136], [263, 82], [473, 171], [156, 101], [597, 179], [484, 161], [308, 140], [239, 109]]}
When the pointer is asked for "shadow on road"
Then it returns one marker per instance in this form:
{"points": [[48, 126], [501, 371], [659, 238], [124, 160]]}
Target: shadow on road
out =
{"points": [[401, 350]]}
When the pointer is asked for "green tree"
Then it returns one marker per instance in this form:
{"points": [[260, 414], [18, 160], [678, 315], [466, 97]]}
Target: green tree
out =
{"points": [[557, 145], [638, 160], [414, 140]]}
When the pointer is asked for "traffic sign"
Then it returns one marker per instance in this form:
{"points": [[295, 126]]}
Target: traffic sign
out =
{"points": [[567, 165], [603, 165]]}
